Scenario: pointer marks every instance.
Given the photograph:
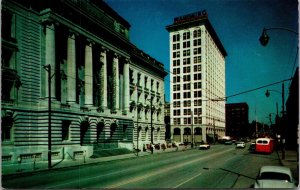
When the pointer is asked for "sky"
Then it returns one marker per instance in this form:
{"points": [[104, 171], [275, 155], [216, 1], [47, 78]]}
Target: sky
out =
{"points": [[238, 24]]}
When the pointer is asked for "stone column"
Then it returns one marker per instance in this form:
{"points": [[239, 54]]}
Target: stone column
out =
{"points": [[126, 97], [71, 69], [50, 58], [88, 74], [181, 134], [115, 92], [103, 71]]}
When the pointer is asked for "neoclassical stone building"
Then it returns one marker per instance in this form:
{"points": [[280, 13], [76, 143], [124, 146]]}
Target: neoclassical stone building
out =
{"points": [[72, 81]]}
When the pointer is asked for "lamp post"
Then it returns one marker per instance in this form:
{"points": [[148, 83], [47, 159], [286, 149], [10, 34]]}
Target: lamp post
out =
{"points": [[282, 117], [48, 69], [264, 39]]}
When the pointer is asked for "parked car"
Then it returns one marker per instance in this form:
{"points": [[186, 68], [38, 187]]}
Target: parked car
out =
{"points": [[228, 142], [240, 144], [204, 146], [275, 177]]}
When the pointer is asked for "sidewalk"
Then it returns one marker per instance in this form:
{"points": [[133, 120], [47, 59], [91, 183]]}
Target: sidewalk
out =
{"points": [[290, 161], [12, 169]]}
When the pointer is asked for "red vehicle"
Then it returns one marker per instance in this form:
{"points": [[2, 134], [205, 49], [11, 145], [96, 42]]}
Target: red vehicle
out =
{"points": [[264, 145]]}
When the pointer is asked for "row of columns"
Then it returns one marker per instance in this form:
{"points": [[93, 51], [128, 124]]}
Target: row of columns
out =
{"points": [[50, 59]]}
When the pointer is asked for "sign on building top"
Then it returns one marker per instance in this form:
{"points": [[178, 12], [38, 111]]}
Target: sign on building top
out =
{"points": [[189, 17]]}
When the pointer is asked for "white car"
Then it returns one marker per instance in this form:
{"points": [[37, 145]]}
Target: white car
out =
{"points": [[275, 177], [204, 146], [240, 144]]}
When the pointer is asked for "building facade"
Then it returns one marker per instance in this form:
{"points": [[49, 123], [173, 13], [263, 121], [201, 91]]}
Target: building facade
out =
{"points": [[237, 120], [197, 65], [291, 127], [72, 81]]}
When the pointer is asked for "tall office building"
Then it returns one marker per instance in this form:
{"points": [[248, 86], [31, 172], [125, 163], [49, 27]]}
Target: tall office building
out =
{"points": [[197, 65]]}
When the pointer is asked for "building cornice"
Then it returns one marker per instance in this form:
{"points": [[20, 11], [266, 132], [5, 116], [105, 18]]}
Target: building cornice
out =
{"points": [[198, 22]]}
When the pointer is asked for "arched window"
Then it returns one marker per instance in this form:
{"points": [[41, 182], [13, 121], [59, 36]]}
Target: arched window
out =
{"points": [[176, 131]]}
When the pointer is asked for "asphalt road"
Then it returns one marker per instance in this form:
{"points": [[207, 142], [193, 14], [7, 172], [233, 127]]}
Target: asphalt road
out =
{"points": [[222, 166]]}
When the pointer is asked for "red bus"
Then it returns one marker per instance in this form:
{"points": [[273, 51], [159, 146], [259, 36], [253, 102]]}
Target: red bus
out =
{"points": [[264, 145]]}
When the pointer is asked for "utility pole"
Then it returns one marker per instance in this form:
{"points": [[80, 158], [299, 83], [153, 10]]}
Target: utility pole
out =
{"points": [[48, 69], [192, 132], [283, 122], [214, 130], [151, 123]]}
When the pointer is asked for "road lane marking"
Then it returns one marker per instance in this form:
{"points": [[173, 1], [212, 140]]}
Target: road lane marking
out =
{"points": [[160, 171], [187, 181]]}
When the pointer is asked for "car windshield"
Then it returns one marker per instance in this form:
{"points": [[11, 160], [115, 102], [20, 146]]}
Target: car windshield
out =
{"points": [[275, 176]]}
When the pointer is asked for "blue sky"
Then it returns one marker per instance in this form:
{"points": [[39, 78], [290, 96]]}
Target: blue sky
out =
{"points": [[239, 24]]}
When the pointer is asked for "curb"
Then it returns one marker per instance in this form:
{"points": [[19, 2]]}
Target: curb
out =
{"points": [[88, 162]]}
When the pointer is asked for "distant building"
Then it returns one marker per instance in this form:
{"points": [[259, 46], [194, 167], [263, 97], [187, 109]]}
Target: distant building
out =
{"points": [[104, 90], [237, 120], [197, 65], [291, 127]]}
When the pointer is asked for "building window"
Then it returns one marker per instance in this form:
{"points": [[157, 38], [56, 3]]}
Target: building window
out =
{"points": [[197, 42], [186, 52], [176, 112], [187, 111], [187, 95], [197, 68], [8, 20], [186, 35], [186, 69], [65, 130], [197, 76], [197, 59], [176, 96], [186, 121], [186, 61], [176, 87], [197, 103], [176, 79], [7, 129], [197, 51], [176, 37], [187, 86], [197, 33], [176, 122], [176, 62], [176, 104], [197, 111], [186, 78], [176, 46], [197, 94], [176, 54], [197, 85], [176, 71], [186, 44], [125, 133]]}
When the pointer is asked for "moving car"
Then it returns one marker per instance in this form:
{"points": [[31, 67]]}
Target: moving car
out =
{"points": [[240, 144], [275, 177], [204, 146]]}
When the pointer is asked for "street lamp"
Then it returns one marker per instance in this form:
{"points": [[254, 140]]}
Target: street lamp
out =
{"points": [[264, 38]]}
